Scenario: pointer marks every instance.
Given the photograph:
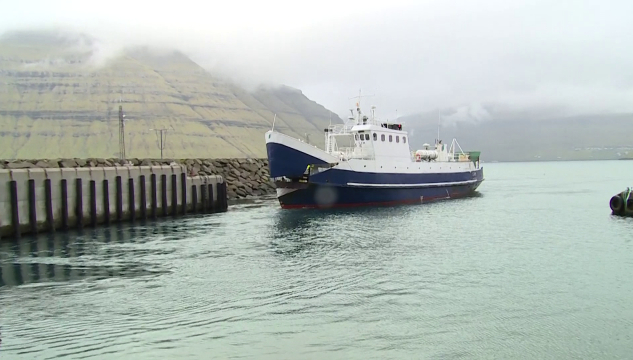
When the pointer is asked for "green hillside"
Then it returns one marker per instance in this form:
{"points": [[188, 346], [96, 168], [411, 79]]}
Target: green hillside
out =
{"points": [[57, 103]]}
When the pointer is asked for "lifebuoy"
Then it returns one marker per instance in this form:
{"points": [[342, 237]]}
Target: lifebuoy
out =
{"points": [[616, 203]]}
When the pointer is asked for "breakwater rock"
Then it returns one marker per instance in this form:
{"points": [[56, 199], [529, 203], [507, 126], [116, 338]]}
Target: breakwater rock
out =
{"points": [[244, 177]]}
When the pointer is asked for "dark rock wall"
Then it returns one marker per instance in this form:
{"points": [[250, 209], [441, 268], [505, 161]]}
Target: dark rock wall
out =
{"points": [[245, 177]]}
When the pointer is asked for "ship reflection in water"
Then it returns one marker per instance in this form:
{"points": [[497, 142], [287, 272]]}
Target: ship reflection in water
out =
{"points": [[300, 232]]}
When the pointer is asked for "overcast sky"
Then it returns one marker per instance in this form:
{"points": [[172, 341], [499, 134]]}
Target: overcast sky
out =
{"points": [[411, 55]]}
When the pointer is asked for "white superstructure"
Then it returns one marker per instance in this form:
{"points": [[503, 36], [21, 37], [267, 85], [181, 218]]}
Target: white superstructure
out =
{"points": [[384, 145]]}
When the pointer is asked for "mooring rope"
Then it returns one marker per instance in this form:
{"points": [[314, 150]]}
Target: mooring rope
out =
{"points": [[626, 198]]}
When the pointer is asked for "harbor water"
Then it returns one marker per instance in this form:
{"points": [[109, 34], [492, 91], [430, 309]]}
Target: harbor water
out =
{"points": [[534, 267]]}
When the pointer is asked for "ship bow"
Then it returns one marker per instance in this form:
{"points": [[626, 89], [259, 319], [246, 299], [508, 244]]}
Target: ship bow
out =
{"points": [[290, 157]]}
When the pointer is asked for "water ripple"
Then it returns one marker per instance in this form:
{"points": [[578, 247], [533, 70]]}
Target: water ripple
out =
{"points": [[533, 268]]}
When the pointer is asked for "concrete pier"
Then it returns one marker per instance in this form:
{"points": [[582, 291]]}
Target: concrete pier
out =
{"points": [[36, 200]]}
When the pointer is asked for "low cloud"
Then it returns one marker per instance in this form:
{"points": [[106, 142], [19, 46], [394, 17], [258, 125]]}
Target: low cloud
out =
{"points": [[473, 113], [413, 56]]}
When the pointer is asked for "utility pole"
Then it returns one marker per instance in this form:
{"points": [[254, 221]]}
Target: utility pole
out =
{"points": [[121, 133], [161, 139]]}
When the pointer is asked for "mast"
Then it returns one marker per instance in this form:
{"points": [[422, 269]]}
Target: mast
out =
{"points": [[358, 112], [439, 119]]}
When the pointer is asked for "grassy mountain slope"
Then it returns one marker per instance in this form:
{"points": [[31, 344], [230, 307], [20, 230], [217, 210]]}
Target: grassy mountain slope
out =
{"points": [[57, 102]]}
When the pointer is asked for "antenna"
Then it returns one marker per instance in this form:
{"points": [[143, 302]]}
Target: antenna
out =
{"points": [[275, 118], [359, 97], [439, 118], [358, 116], [161, 141]]}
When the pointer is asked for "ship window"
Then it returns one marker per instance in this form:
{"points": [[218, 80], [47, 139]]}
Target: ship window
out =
{"points": [[382, 137], [356, 136], [375, 136], [366, 136], [397, 139], [390, 138], [404, 139]]}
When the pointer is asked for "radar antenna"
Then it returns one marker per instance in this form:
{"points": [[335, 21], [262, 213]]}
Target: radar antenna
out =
{"points": [[359, 97]]}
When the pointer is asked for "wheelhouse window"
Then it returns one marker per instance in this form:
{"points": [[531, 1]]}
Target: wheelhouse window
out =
{"points": [[390, 138], [404, 139], [356, 136], [375, 136], [367, 137], [397, 139], [382, 137]]}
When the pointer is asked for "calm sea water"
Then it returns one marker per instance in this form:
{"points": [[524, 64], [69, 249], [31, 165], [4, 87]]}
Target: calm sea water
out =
{"points": [[535, 267]]}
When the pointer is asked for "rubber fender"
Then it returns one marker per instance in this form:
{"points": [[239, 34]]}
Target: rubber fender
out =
{"points": [[617, 204]]}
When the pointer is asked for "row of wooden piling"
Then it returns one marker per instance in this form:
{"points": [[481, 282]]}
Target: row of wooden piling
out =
{"points": [[207, 203]]}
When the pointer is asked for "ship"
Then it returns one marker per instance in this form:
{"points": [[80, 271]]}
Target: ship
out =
{"points": [[368, 162]]}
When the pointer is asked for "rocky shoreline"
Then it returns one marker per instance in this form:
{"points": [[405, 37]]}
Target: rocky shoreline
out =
{"points": [[245, 177]]}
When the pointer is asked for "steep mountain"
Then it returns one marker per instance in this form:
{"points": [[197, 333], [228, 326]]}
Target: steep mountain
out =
{"points": [[60, 95]]}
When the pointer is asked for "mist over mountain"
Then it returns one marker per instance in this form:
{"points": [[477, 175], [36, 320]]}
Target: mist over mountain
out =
{"points": [[61, 92], [509, 136], [413, 56]]}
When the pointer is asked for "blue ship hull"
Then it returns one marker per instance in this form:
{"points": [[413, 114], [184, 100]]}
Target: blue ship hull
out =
{"points": [[323, 195]]}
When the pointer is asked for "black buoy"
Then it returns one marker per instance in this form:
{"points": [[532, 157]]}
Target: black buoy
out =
{"points": [[617, 204]]}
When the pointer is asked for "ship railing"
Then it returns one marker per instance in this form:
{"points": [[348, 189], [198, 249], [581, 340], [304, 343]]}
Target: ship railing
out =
{"points": [[339, 129], [467, 156]]}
